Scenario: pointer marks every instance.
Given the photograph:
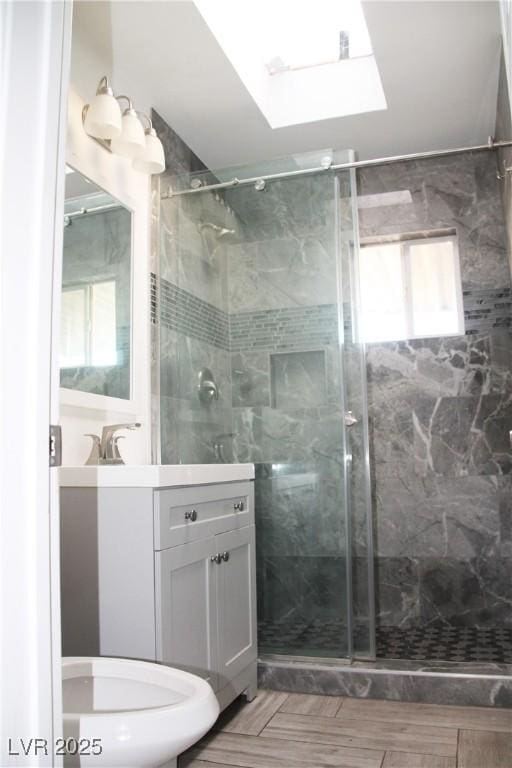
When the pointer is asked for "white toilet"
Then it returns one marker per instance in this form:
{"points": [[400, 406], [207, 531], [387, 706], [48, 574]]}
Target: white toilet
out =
{"points": [[141, 714]]}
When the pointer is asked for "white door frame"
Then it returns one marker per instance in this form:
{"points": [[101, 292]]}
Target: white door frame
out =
{"points": [[35, 39]]}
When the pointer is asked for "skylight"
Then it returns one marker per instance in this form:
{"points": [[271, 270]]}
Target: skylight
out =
{"points": [[301, 61], [313, 35]]}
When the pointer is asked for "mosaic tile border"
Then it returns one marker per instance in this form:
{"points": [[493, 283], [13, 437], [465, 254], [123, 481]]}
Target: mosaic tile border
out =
{"points": [[487, 308], [182, 312], [291, 328], [295, 328]]}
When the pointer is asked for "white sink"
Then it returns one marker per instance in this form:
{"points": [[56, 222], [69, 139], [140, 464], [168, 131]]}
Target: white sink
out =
{"points": [[153, 475]]}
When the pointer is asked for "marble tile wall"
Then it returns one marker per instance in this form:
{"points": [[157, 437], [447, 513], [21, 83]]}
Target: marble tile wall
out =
{"points": [[189, 308], [440, 410]]}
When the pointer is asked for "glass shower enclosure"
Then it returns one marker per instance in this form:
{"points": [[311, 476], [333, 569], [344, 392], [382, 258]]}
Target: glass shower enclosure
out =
{"points": [[260, 362]]}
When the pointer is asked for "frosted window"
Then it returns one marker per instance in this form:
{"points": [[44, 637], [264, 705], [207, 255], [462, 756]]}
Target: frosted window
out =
{"points": [[411, 289]]}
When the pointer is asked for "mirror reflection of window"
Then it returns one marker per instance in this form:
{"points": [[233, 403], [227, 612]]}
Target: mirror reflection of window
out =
{"points": [[88, 325], [96, 310], [411, 289], [72, 328]]}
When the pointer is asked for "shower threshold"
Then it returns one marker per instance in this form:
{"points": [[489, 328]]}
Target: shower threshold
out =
{"points": [[458, 684]]}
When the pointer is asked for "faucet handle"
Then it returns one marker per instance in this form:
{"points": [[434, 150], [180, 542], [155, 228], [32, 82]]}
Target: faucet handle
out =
{"points": [[95, 454], [115, 448]]}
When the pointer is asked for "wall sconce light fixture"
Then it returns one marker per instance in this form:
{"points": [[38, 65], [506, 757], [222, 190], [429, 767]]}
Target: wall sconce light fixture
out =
{"points": [[123, 132]]}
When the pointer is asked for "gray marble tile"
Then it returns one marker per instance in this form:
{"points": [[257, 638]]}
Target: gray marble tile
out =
{"points": [[397, 591], [505, 513], [466, 593], [463, 436], [302, 588], [276, 273], [169, 370], [464, 690], [450, 517], [300, 510], [169, 431], [295, 207], [288, 436], [250, 374]]}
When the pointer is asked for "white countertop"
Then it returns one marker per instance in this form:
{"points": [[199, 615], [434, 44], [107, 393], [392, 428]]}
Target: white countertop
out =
{"points": [[153, 475]]}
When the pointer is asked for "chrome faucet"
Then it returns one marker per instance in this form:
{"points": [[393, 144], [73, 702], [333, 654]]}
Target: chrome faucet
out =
{"points": [[106, 450]]}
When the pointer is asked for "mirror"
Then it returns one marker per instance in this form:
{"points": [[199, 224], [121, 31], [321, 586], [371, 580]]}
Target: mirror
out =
{"points": [[95, 346]]}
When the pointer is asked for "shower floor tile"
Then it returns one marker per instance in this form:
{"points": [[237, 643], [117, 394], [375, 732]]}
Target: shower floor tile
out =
{"points": [[459, 644], [450, 644], [303, 638]]}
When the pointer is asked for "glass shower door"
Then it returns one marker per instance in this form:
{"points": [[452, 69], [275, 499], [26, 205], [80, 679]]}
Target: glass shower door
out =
{"points": [[258, 284], [357, 444], [288, 415]]}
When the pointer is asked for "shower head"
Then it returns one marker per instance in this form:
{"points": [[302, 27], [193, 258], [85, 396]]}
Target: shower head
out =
{"points": [[219, 231]]}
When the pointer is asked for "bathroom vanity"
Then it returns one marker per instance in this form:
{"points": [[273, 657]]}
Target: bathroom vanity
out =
{"points": [[158, 563]]}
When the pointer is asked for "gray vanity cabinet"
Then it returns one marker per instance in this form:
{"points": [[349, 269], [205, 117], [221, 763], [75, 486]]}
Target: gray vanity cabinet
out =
{"points": [[163, 574], [186, 608], [236, 602], [205, 607]]}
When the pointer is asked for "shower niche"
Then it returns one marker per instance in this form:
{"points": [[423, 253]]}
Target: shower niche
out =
{"points": [[298, 379]]}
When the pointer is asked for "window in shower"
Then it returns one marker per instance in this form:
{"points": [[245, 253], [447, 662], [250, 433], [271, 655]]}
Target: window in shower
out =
{"points": [[411, 288]]}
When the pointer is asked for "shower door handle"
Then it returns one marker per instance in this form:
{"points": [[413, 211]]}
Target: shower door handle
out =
{"points": [[350, 419]]}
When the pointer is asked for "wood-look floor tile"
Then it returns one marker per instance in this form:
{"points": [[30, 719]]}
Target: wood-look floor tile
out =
{"points": [[369, 734], [306, 704], [250, 718], [484, 749], [189, 762], [477, 718], [254, 752], [408, 760]]}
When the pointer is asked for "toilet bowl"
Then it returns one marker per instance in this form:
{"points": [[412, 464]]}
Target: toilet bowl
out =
{"points": [[133, 714]]}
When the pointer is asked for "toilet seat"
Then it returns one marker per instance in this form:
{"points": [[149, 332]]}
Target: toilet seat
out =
{"points": [[143, 713]]}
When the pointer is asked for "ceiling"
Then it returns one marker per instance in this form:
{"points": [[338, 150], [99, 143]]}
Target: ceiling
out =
{"points": [[438, 63]]}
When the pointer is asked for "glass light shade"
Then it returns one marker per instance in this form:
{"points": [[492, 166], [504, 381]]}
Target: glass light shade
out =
{"points": [[103, 119], [132, 141], [153, 159]]}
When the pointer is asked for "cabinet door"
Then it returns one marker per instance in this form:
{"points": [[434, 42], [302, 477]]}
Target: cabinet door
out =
{"points": [[236, 601], [186, 615]]}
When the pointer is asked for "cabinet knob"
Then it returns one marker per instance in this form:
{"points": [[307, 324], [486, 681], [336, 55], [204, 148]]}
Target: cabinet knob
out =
{"points": [[239, 506], [216, 559], [225, 556], [191, 514]]}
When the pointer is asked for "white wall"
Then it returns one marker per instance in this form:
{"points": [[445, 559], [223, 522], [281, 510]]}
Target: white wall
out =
{"points": [[91, 58], [34, 46]]}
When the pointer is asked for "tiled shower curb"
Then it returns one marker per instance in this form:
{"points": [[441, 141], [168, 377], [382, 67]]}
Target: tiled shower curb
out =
{"points": [[432, 687]]}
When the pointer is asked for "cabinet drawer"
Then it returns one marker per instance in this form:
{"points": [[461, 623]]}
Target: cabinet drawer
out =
{"points": [[189, 514]]}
